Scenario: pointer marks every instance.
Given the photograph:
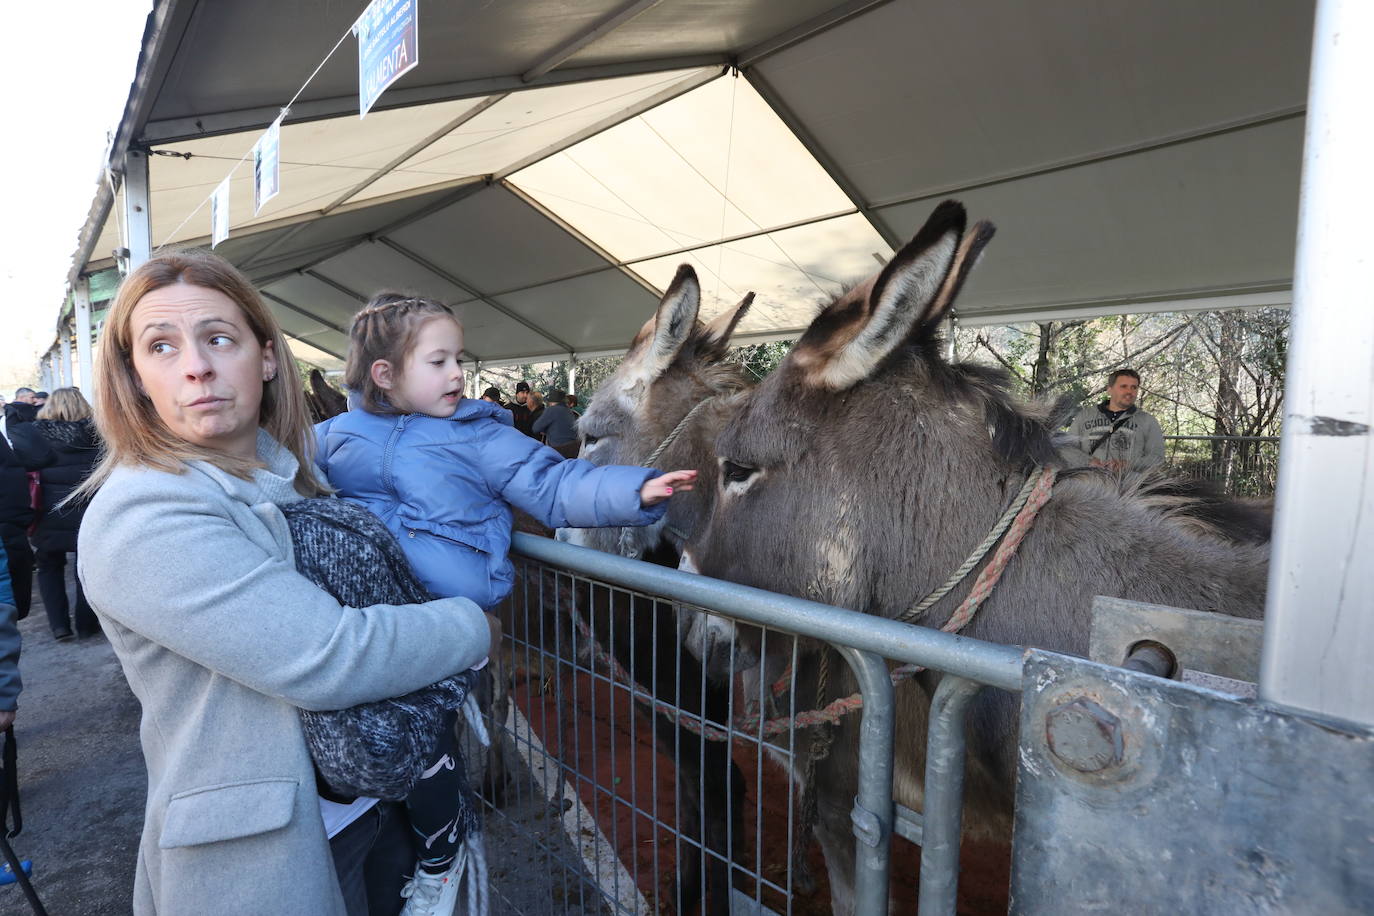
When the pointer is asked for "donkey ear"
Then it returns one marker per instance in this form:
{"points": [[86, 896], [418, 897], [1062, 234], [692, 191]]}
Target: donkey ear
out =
{"points": [[850, 338], [675, 318], [658, 342], [964, 260], [719, 328]]}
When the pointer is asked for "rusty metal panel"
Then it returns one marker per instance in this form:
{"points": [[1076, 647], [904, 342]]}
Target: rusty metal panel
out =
{"points": [[1141, 795]]}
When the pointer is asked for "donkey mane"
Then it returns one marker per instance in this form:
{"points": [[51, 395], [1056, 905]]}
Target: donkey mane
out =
{"points": [[1022, 436], [702, 355]]}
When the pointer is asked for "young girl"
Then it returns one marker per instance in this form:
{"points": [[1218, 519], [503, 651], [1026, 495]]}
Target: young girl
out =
{"points": [[442, 472]]}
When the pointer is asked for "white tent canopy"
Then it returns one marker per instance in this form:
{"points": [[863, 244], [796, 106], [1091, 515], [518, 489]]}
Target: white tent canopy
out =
{"points": [[547, 168]]}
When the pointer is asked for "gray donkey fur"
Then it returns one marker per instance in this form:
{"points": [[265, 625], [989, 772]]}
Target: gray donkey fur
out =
{"points": [[865, 469], [673, 365]]}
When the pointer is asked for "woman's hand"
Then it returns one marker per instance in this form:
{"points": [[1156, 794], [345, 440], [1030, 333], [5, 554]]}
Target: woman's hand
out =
{"points": [[660, 488]]}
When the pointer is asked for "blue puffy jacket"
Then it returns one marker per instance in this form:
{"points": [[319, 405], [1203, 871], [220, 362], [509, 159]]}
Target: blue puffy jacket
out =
{"points": [[445, 489]]}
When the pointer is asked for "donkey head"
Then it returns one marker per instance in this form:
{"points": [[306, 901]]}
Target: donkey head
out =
{"points": [[673, 364], [833, 472]]}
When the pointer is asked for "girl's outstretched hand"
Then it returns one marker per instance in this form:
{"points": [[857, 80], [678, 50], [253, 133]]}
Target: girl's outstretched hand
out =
{"points": [[658, 489]]}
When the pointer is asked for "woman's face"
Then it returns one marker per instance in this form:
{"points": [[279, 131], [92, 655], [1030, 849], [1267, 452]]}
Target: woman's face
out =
{"points": [[202, 367]]}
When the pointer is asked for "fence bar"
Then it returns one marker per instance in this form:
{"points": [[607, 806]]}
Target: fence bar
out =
{"points": [[873, 811], [989, 663], [944, 795]]}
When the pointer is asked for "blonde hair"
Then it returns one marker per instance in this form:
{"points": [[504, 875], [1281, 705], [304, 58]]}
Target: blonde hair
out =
{"points": [[135, 435], [538, 399], [386, 328], [65, 404]]}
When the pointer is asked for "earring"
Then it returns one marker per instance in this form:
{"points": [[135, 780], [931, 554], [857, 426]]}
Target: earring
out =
{"points": [[268, 378]]}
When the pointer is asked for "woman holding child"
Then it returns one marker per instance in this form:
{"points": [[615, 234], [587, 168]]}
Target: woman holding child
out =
{"points": [[187, 559]]}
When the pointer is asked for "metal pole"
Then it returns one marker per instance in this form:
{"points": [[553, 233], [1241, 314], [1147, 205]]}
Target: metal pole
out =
{"points": [[81, 295], [137, 210], [947, 328], [64, 343], [572, 373], [942, 817], [1319, 629], [873, 811]]}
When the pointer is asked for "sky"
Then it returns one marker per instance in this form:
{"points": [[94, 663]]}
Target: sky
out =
{"points": [[68, 82]]}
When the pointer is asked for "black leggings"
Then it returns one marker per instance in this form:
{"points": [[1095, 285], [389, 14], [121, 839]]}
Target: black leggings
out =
{"points": [[434, 805], [52, 585]]}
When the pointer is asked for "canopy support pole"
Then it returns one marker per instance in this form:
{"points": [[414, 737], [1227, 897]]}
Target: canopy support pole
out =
{"points": [[64, 349], [1319, 624], [137, 211], [81, 298]]}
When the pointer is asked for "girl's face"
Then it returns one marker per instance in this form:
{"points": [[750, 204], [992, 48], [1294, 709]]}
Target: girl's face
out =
{"points": [[431, 379], [198, 361]]}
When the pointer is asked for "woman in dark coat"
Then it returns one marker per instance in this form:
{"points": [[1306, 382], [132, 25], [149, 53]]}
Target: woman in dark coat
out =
{"points": [[62, 445]]}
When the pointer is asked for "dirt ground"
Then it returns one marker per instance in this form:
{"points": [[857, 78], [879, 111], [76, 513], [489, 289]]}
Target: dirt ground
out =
{"points": [[82, 783]]}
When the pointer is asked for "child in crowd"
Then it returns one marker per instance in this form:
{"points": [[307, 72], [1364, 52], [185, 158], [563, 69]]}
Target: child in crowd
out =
{"points": [[442, 472]]}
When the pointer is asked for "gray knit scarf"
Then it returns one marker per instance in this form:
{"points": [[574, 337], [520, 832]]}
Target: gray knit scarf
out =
{"points": [[376, 749]]}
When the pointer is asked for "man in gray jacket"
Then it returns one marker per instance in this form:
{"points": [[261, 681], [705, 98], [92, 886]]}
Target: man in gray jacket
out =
{"points": [[1115, 434]]}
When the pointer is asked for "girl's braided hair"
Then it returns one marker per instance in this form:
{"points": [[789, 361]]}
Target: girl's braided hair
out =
{"points": [[386, 328]]}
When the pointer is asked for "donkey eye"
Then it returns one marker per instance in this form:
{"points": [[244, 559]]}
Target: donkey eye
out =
{"points": [[590, 440], [736, 473]]}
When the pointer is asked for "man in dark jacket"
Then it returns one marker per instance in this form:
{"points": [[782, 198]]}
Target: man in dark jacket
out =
{"points": [[520, 409], [557, 424], [16, 511]]}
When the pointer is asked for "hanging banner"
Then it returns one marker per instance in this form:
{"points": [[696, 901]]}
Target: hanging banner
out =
{"points": [[267, 166], [388, 34], [219, 213]]}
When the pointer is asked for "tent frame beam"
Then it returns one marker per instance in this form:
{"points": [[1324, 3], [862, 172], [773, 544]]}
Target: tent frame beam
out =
{"points": [[412, 151], [809, 29], [468, 288], [289, 306], [161, 133], [826, 161], [587, 36]]}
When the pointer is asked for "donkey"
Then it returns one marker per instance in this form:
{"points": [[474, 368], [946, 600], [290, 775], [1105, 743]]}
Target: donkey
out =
{"points": [[864, 469], [673, 368]]}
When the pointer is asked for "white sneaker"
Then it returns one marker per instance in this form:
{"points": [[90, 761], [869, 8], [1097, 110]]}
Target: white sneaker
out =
{"points": [[429, 894]]}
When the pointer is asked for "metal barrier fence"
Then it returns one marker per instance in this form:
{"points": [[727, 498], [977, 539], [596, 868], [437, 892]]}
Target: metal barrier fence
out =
{"points": [[611, 803], [1240, 465]]}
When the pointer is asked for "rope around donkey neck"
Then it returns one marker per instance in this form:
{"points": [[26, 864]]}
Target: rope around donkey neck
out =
{"points": [[677, 431], [917, 610]]}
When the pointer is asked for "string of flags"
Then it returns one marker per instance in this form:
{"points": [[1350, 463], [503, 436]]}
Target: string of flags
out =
{"points": [[388, 35]]}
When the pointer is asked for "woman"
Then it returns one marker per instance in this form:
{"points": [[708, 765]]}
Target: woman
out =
{"points": [[63, 447], [187, 560]]}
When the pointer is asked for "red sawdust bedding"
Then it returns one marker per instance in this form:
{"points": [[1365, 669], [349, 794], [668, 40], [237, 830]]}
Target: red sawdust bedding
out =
{"points": [[613, 747]]}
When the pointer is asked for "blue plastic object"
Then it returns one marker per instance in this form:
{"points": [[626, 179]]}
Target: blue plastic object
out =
{"points": [[7, 874]]}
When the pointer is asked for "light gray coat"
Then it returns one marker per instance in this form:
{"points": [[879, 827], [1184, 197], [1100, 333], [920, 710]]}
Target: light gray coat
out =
{"points": [[192, 576], [1138, 441]]}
